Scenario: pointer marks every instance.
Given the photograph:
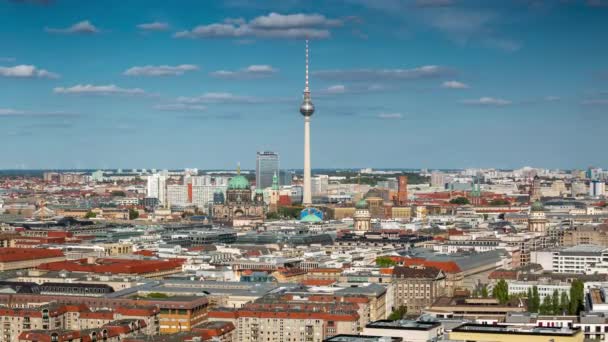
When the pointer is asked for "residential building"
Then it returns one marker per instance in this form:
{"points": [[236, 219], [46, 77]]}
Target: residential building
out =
{"points": [[417, 287]]}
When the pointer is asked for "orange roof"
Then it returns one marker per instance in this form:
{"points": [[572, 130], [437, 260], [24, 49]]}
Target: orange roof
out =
{"points": [[445, 266], [114, 266], [24, 254], [318, 282], [386, 271], [325, 270]]}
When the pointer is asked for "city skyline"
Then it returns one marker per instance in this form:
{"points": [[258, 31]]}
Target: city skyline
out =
{"points": [[397, 84]]}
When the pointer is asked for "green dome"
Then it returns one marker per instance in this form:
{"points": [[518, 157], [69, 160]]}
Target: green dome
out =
{"points": [[362, 204], [537, 206], [311, 219], [238, 183]]}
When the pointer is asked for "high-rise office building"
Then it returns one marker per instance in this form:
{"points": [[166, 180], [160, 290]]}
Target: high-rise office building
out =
{"points": [[157, 187], [266, 167]]}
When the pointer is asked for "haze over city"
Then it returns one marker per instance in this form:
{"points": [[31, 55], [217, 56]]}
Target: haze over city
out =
{"points": [[400, 84]]}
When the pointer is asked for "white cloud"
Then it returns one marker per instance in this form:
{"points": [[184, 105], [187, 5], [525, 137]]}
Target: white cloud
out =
{"points": [[26, 71], [595, 102], [252, 71], [24, 113], [273, 25], [336, 89], [83, 27], [454, 85], [552, 98], [181, 107], [160, 70], [90, 89], [7, 59], [281, 21], [427, 71], [154, 26], [389, 116], [487, 101], [218, 98], [10, 112]]}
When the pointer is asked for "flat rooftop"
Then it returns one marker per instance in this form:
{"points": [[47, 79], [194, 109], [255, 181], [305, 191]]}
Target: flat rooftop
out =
{"points": [[402, 324], [362, 338], [515, 330]]}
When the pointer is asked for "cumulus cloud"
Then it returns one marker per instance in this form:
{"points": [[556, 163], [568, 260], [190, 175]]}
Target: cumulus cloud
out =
{"points": [[273, 25], [160, 70], [154, 26], [390, 116], [26, 71], [487, 101], [423, 72], [218, 98], [454, 85], [280, 21], [180, 107], [252, 71], [83, 27], [89, 89]]}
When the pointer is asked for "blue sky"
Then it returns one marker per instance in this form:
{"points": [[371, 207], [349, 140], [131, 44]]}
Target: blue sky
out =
{"points": [[396, 83]]}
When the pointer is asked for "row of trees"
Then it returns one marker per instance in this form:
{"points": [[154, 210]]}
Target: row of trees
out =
{"points": [[571, 303]]}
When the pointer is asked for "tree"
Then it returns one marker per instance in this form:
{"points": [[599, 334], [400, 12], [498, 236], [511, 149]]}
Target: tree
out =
{"points": [[398, 314], [484, 291], [385, 261], [555, 302], [459, 200], [529, 297], [564, 303], [577, 297], [535, 307], [157, 295], [499, 201], [501, 291], [118, 193], [133, 214], [545, 307], [90, 214]]}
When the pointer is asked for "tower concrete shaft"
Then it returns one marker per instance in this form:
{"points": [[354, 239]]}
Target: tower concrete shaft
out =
{"points": [[307, 199], [307, 109]]}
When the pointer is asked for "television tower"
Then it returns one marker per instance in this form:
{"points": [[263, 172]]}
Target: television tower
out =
{"points": [[307, 109]]}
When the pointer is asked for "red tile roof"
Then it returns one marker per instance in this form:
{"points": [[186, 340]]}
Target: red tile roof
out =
{"points": [[116, 266], [24, 254]]}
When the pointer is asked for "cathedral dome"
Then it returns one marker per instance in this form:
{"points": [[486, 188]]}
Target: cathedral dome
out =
{"points": [[537, 206], [238, 183], [362, 204]]}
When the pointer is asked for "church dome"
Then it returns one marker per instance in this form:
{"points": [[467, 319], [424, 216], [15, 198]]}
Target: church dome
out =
{"points": [[238, 183], [362, 204], [537, 206]]}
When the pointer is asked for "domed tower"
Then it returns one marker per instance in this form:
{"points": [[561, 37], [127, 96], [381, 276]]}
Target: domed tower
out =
{"points": [[537, 220], [307, 109], [362, 217], [239, 189]]}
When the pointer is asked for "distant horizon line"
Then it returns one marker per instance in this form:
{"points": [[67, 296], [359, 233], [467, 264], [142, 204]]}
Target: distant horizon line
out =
{"points": [[289, 169]]}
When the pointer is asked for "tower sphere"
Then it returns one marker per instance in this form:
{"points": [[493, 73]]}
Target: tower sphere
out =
{"points": [[307, 108]]}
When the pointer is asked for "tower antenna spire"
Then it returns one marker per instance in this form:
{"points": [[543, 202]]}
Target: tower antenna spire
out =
{"points": [[306, 87]]}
